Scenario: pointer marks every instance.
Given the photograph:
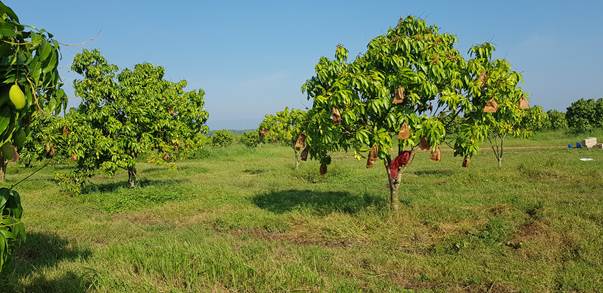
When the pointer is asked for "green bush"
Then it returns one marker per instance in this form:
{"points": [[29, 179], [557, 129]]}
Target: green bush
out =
{"points": [[222, 138], [250, 139], [536, 120], [556, 120], [585, 115]]}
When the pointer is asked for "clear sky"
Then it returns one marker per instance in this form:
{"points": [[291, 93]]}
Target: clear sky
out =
{"points": [[251, 57]]}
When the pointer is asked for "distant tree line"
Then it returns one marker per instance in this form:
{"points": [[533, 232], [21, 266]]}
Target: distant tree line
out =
{"points": [[582, 115]]}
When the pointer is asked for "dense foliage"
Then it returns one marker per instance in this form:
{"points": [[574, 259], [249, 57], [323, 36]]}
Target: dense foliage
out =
{"points": [[250, 139], [411, 85], [284, 127], [129, 113], [495, 86], [585, 115], [556, 120], [222, 138], [29, 83], [535, 119], [44, 140]]}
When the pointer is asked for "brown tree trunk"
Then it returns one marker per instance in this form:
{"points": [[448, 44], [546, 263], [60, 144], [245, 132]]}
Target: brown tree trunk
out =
{"points": [[3, 164], [498, 149], [132, 177], [502, 150], [296, 154], [394, 187]]}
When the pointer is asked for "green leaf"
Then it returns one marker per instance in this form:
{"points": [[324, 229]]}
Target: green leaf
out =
{"points": [[44, 50], [7, 30], [5, 118], [8, 11]]}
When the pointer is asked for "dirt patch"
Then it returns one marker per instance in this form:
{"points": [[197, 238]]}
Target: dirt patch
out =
{"points": [[500, 209], [144, 219], [294, 237], [535, 239], [532, 230]]}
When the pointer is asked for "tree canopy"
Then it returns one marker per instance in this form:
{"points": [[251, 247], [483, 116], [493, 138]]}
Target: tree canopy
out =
{"points": [[129, 113], [282, 127], [408, 91], [285, 127], [585, 115]]}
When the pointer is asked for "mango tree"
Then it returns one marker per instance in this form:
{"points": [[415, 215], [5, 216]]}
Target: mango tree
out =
{"points": [[557, 119], [535, 119], [29, 83], [129, 113], [584, 115], [250, 139], [285, 127], [400, 95], [222, 138], [499, 105]]}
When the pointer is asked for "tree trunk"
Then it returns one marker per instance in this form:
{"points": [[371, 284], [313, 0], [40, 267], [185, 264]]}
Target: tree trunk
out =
{"points": [[132, 177], [502, 150], [3, 164], [394, 187], [295, 153]]}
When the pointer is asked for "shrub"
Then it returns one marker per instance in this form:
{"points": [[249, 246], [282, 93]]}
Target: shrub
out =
{"points": [[250, 139], [584, 115], [127, 114], [536, 119], [556, 120], [222, 138]]}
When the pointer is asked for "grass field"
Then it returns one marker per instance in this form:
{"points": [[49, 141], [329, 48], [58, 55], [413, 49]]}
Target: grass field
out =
{"points": [[244, 220]]}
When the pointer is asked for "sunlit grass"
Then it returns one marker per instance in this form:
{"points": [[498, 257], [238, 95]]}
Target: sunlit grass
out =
{"points": [[237, 219]]}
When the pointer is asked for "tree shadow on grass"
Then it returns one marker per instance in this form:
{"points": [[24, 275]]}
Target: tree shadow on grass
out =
{"points": [[435, 173], [114, 186], [317, 202], [255, 171], [41, 251], [178, 169]]}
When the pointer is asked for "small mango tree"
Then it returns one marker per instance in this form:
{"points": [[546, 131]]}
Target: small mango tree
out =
{"points": [[500, 107], [124, 115], [222, 138], [584, 115], [285, 127], [557, 119], [399, 96], [536, 119], [29, 83], [250, 139]]}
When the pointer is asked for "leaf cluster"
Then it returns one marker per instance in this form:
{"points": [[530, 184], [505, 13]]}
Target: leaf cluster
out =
{"points": [[282, 127], [28, 65], [127, 113]]}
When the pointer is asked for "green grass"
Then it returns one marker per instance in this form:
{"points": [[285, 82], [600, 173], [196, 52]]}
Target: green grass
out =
{"points": [[244, 220]]}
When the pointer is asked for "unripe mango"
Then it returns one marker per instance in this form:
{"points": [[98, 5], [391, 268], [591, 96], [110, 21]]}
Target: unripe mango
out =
{"points": [[17, 96], [7, 151], [20, 138]]}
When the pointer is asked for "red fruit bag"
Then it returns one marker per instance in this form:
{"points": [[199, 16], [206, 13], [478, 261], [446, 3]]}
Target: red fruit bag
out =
{"points": [[401, 160]]}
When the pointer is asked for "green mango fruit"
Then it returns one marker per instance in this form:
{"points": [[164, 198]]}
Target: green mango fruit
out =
{"points": [[7, 151], [20, 138], [17, 96]]}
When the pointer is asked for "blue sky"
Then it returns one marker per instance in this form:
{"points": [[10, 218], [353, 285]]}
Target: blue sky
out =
{"points": [[251, 57]]}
